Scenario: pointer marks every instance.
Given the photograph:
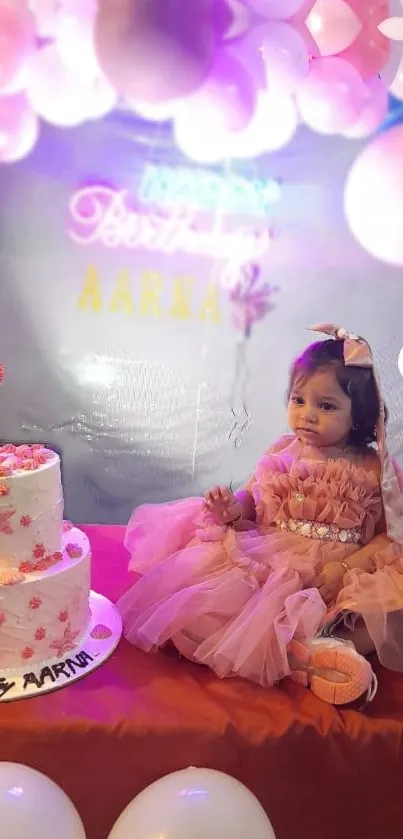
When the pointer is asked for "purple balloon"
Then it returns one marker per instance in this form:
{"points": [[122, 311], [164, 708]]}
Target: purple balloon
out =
{"points": [[155, 50]]}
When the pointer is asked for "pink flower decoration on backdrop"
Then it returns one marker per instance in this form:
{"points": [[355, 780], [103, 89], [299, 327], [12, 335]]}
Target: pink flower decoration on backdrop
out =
{"points": [[251, 299], [2, 373]]}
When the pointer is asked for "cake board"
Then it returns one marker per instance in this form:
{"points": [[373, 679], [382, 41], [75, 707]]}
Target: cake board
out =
{"points": [[75, 659]]}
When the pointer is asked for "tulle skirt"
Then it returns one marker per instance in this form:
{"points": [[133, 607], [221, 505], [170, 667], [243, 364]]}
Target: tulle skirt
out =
{"points": [[234, 600]]}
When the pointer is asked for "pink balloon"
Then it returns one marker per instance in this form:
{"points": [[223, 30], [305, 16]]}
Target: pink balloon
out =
{"points": [[334, 25], [374, 111], [16, 120], [332, 96], [370, 50], [16, 41], [277, 9], [56, 94], [152, 50], [225, 101], [374, 197], [285, 55]]}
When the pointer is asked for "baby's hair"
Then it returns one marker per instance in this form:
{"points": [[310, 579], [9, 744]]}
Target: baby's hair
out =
{"points": [[357, 382]]}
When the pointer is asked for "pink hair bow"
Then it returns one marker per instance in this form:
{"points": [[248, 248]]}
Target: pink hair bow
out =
{"points": [[358, 354], [356, 351]]}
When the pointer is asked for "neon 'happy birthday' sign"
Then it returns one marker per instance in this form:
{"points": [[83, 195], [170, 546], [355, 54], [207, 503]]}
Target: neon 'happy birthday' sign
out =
{"points": [[104, 216], [198, 189]]}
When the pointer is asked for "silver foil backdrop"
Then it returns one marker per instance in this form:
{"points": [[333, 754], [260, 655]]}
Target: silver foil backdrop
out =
{"points": [[136, 365]]}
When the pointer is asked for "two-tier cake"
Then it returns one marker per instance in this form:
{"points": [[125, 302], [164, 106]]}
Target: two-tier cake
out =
{"points": [[53, 628]]}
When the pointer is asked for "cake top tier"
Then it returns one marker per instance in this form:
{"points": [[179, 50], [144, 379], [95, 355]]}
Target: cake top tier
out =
{"points": [[24, 458]]}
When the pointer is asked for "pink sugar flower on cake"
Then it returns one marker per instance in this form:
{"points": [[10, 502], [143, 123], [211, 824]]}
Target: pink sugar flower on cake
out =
{"points": [[63, 616], [39, 460], [43, 564], [73, 551], [4, 489], [56, 557], [39, 551], [66, 643], [5, 471], [67, 525], [26, 567], [27, 653], [35, 603], [40, 634], [25, 521], [23, 451], [28, 465], [5, 524], [8, 448]]}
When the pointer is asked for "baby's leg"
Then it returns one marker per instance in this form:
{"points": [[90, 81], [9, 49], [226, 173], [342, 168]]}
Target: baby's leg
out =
{"points": [[359, 636]]}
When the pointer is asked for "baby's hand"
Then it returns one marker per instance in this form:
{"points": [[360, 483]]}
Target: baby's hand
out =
{"points": [[330, 581], [223, 505]]}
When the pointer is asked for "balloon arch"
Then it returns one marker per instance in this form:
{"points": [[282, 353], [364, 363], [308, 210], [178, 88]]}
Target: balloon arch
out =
{"points": [[236, 77]]}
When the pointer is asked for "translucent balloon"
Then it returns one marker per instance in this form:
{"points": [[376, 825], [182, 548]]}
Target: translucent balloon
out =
{"points": [[272, 127], [16, 121], [32, 805], [334, 25], [57, 95], [225, 101], [74, 35], [192, 804], [285, 56], [332, 96], [374, 197], [373, 113], [156, 51], [16, 41], [276, 9]]}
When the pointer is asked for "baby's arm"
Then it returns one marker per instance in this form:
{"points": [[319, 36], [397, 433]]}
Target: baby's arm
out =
{"points": [[247, 503]]}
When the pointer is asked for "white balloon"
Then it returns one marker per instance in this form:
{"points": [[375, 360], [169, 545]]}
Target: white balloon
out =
{"points": [[194, 804], [273, 126], [31, 805], [54, 92]]}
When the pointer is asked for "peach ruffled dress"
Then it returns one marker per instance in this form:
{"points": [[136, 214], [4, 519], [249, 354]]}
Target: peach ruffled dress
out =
{"points": [[233, 600]]}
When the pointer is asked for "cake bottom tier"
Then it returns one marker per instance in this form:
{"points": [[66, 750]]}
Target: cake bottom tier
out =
{"points": [[45, 615]]}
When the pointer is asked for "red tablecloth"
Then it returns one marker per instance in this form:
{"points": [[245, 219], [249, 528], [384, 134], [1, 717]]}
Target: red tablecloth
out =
{"points": [[318, 772]]}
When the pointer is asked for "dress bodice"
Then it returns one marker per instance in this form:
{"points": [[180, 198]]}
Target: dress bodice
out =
{"points": [[333, 492]]}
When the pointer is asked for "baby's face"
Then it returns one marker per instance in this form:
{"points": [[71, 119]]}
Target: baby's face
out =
{"points": [[319, 412]]}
